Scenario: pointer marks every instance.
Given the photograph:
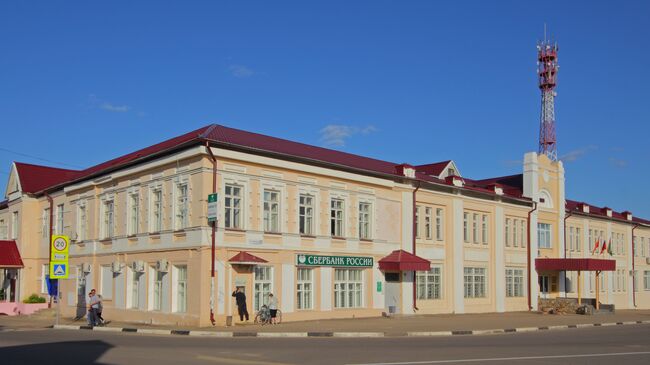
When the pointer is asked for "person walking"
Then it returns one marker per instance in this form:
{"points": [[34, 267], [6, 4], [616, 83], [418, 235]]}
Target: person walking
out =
{"points": [[93, 308], [240, 299], [273, 308]]}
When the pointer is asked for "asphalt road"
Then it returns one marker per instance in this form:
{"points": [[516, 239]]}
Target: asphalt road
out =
{"points": [[599, 345]]}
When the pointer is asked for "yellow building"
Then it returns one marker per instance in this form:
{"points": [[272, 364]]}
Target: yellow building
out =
{"points": [[330, 234]]}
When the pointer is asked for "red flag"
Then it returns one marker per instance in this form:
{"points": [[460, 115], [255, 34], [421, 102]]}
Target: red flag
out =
{"points": [[596, 246], [605, 246]]}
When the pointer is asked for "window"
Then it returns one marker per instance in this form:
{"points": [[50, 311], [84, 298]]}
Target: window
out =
{"points": [[233, 206], [508, 229], [181, 206], [429, 284], [271, 211], [46, 223], [306, 212], [475, 282], [263, 286], [45, 273], [336, 217], [158, 297], [304, 289], [465, 227], [136, 277], [181, 288], [514, 282], [591, 240], [515, 234], [364, 220], [475, 227], [484, 229], [59, 219], [134, 213], [14, 225], [544, 235], [109, 218], [571, 233], [81, 222], [439, 226], [646, 280], [3, 229], [522, 231], [577, 240], [635, 282], [417, 221], [106, 282], [427, 223], [157, 199], [348, 286]]}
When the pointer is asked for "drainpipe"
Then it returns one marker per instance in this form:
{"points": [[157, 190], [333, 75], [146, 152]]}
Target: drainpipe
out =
{"points": [[565, 280], [528, 254], [49, 244], [415, 307], [214, 229], [633, 271]]}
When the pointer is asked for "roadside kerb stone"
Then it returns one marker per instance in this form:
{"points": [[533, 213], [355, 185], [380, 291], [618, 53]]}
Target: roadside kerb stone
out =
{"points": [[359, 334]]}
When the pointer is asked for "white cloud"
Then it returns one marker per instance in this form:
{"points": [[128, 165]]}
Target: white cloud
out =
{"points": [[115, 108], [337, 134], [574, 155], [616, 162], [240, 71]]}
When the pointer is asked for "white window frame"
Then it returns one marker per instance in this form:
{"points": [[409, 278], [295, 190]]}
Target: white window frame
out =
{"points": [[106, 282], [440, 227], [522, 233], [508, 229], [348, 292], [304, 288], [46, 223], [45, 271], [306, 210], [179, 288], [233, 212], [515, 282], [58, 227], [14, 224], [3, 230], [475, 228], [157, 204], [365, 220], [181, 204], [646, 280], [544, 234], [272, 218], [428, 229], [465, 227], [485, 229], [133, 213], [475, 282], [262, 285], [82, 221], [337, 217], [107, 218], [429, 283]]}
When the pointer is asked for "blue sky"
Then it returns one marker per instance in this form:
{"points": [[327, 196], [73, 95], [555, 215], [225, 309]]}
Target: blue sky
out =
{"points": [[406, 81]]}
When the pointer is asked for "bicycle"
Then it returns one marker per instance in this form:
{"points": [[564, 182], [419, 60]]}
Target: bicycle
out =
{"points": [[263, 316]]}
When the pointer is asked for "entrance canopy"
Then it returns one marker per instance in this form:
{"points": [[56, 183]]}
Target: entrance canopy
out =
{"points": [[400, 260], [9, 255], [546, 264], [245, 258]]}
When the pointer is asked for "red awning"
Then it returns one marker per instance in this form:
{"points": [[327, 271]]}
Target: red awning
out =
{"points": [[9, 255], [245, 258], [575, 264], [400, 260]]}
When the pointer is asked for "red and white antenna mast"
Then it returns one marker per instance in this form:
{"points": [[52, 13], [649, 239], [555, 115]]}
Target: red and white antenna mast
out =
{"points": [[547, 68]]}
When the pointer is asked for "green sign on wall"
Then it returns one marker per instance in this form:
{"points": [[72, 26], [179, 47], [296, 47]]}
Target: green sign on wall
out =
{"points": [[337, 261]]}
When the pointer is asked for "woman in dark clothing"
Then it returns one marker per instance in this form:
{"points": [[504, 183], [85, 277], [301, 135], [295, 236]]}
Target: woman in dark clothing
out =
{"points": [[240, 299]]}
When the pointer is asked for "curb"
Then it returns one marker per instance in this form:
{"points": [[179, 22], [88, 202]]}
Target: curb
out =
{"points": [[150, 331]]}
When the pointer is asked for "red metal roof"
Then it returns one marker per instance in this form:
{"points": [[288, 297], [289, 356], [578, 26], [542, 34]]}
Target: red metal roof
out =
{"points": [[571, 264], [400, 260], [434, 169], [245, 258], [9, 255], [35, 178]]}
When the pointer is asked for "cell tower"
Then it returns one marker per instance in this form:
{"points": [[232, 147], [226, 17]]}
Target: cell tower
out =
{"points": [[547, 68]]}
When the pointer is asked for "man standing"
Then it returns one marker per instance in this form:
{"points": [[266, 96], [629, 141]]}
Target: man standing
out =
{"points": [[93, 308], [240, 299]]}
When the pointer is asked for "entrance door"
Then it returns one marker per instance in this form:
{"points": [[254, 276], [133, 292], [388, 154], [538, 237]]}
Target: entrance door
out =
{"points": [[543, 286], [393, 292]]}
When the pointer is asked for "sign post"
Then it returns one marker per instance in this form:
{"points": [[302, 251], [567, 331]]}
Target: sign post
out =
{"points": [[59, 268]]}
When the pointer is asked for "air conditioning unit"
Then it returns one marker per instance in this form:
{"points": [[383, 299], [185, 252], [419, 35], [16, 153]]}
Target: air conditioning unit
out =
{"points": [[116, 267], [86, 268], [137, 266], [162, 265], [647, 260]]}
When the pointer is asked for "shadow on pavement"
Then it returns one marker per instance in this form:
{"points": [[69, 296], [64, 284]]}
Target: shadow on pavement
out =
{"points": [[69, 352]]}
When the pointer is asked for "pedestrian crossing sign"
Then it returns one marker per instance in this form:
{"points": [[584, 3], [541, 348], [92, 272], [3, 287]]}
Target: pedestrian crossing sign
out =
{"points": [[59, 270]]}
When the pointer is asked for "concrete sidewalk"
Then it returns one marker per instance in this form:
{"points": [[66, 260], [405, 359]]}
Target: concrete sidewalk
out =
{"points": [[397, 326]]}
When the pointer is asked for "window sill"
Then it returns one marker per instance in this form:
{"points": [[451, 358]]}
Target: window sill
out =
{"points": [[338, 238], [180, 233], [235, 230], [106, 240], [365, 240], [273, 233], [307, 236]]}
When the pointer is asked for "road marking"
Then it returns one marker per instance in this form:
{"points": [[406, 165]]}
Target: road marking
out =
{"points": [[225, 360], [507, 358]]}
